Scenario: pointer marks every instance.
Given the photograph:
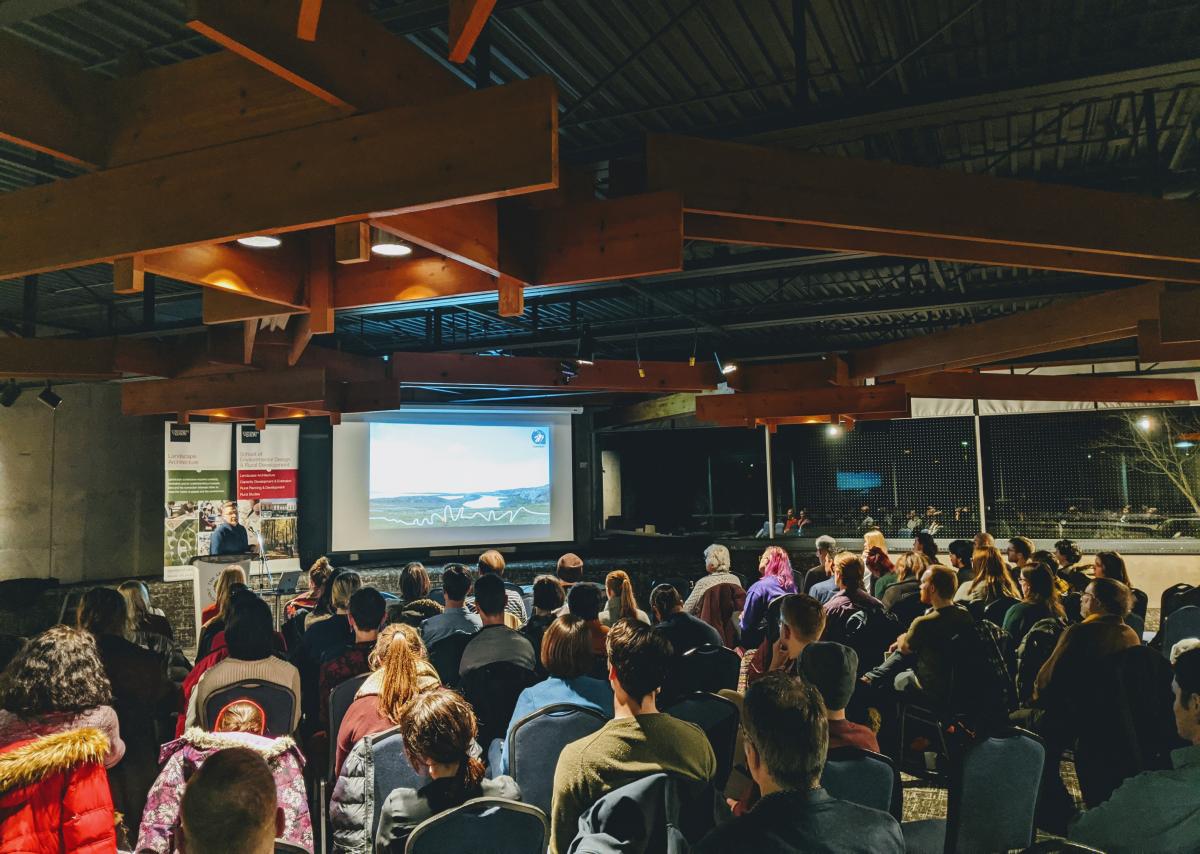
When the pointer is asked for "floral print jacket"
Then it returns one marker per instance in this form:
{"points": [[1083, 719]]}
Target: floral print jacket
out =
{"points": [[182, 757]]}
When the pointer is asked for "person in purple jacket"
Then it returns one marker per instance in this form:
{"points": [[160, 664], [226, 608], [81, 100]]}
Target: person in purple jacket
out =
{"points": [[776, 570]]}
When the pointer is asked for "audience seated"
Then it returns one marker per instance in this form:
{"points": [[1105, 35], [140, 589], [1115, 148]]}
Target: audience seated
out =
{"points": [[717, 571], [456, 584], [229, 805], [684, 631], [621, 604], [786, 741], [925, 545], [875, 560], [548, 600], [399, 671], [251, 656], [1156, 810], [324, 634], [1039, 601], [848, 573], [494, 641], [1067, 556], [144, 627], [1112, 565], [414, 605], [833, 670], [57, 733], [1020, 552], [240, 725], [491, 562], [143, 697], [992, 579], [438, 729], [881, 573], [318, 574], [909, 569], [801, 622], [566, 655], [775, 567], [959, 553], [569, 570], [366, 610], [583, 601], [823, 571], [639, 740], [213, 615]]}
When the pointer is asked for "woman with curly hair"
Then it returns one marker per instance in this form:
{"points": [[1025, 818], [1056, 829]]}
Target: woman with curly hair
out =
{"points": [[58, 733], [775, 567], [439, 731], [621, 602], [1069, 570]]}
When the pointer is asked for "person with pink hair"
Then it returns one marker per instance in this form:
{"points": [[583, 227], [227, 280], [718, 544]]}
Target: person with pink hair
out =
{"points": [[775, 567]]}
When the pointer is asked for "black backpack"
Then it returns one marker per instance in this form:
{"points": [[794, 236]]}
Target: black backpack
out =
{"points": [[869, 633]]}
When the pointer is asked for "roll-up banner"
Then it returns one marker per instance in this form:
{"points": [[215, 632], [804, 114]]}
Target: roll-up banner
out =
{"points": [[198, 482], [267, 465]]}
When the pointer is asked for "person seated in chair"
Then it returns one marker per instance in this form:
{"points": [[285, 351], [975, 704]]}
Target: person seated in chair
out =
{"points": [[959, 552], [367, 607], [801, 622], [438, 729], [495, 641], [823, 571], [638, 741], [1156, 810], [583, 601], [548, 600], [852, 597], [230, 804], [716, 567], [833, 669], [786, 741], [491, 562], [456, 584], [684, 631], [569, 570]]}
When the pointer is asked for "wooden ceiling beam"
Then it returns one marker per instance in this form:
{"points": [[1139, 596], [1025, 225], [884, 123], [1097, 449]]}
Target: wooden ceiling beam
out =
{"points": [[221, 391], [355, 65], [320, 175], [1151, 347], [93, 359], [467, 20], [272, 275], [793, 235], [818, 401], [383, 281], [1061, 387], [789, 375], [731, 179], [654, 409], [310, 16], [1109, 316], [467, 233]]}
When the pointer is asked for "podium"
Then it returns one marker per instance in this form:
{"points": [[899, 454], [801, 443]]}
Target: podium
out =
{"points": [[208, 569]]}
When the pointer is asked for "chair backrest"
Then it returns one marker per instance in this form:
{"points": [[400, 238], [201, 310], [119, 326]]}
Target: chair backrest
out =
{"points": [[437, 594], [282, 847], [908, 608], [446, 655], [861, 777], [709, 668], [492, 690], [1176, 596], [340, 699], [494, 825], [774, 608], [997, 609], [978, 820], [535, 742], [719, 718], [1183, 623], [660, 813], [682, 586], [389, 769], [278, 703]]}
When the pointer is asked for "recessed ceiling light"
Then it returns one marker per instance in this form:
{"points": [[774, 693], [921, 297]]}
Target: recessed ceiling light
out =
{"points": [[388, 245], [260, 241]]}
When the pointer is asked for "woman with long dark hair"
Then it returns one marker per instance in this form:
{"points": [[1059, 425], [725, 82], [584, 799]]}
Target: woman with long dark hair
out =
{"points": [[214, 616], [1112, 565], [439, 730], [1039, 600]]}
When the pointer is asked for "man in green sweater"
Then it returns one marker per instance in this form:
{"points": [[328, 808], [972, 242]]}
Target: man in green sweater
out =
{"points": [[639, 740]]}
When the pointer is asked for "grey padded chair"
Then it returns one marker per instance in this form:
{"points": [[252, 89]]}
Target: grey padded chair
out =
{"points": [[492, 825], [537, 739], [863, 777], [389, 769], [1183, 623], [446, 655], [340, 699]]}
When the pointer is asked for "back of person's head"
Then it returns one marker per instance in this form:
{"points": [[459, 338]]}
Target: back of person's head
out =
{"points": [[1040, 582], [849, 567], [102, 612], [776, 564], [491, 561], [716, 558], [583, 600], [991, 571], [803, 615], [547, 593], [1110, 596], [943, 580], [456, 582], [1069, 550], [400, 684], [439, 727], [319, 572], [228, 577], [241, 716], [490, 595], [911, 565], [367, 607], [784, 720], [639, 656], [230, 804], [928, 544], [962, 550], [983, 540], [874, 539], [664, 601], [878, 563], [1112, 565], [826, 543], [414, 582], [1022, 546], [250, 632], [569, 568], [137, 603], [325, 598], [833, 669], [567, 647], [1043, 556], [618, 585], [384, 639], [344, 586], [57, 671]]}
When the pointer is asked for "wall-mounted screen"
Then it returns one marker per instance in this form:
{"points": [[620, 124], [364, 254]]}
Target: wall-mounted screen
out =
{"points": [[858, 481]]}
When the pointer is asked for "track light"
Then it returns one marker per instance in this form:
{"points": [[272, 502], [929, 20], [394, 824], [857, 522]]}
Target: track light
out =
{"points": [[727, 368], [10, 393], [833, 430], [260, 241], [388, 245], [586, 354], [567, 371], [49, 398]]}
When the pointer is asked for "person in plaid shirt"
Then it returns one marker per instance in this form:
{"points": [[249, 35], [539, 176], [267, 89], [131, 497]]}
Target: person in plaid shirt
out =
{"points": [[367, 607]]}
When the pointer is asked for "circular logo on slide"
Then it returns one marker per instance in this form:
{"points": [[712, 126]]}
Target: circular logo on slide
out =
{"points": [[538, 437]]}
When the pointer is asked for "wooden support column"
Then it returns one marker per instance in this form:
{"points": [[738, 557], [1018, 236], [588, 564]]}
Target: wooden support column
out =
{"points": [[320, 285], [249, 333], [29, 307], [310, 15], [129, 275], [352, 242], [467, 18], [512, 297]]}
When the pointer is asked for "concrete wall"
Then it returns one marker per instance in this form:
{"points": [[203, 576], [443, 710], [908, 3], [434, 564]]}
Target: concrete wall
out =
{"points": [[81, 488]]}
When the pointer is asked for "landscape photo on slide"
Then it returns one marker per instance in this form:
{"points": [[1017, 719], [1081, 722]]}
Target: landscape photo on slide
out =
{"points": [[458, 475]]}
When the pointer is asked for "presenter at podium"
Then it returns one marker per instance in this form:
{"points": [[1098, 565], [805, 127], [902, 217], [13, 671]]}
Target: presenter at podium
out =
{"points": [[230, 537]]}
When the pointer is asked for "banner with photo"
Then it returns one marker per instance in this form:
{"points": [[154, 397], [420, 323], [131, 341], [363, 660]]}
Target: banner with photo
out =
{"points": [[268, 461], [198, 482]]}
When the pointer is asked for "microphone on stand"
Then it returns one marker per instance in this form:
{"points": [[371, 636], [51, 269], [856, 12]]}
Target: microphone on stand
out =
{"points": [[265, 566]]}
